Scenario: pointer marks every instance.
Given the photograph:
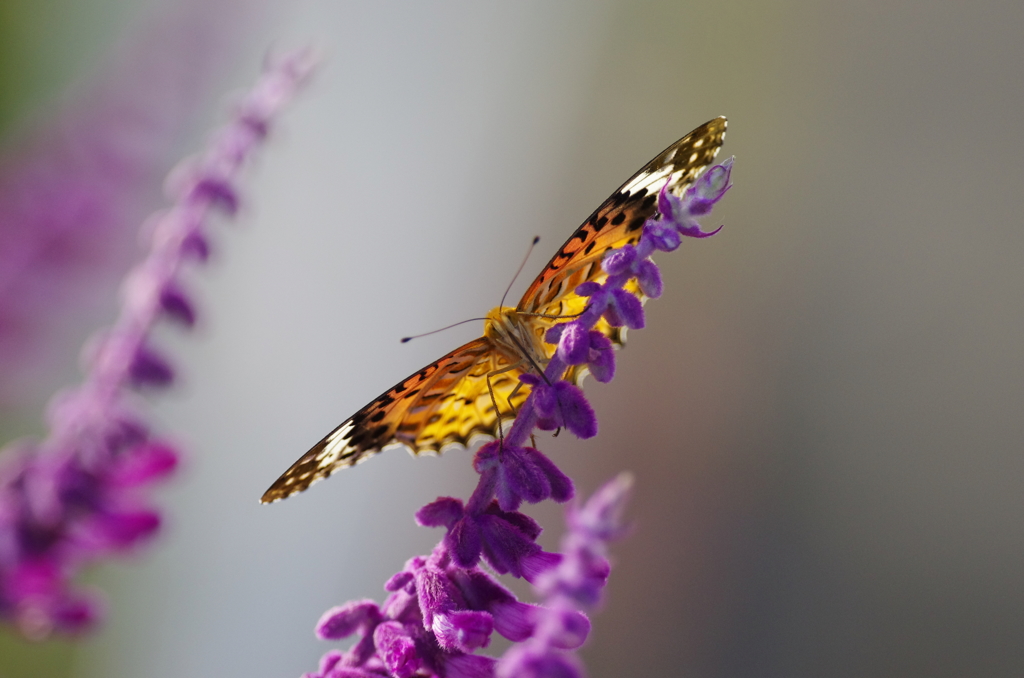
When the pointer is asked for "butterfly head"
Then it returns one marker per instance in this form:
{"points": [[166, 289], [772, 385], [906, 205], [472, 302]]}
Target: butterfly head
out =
{"points": [[517, 336]]}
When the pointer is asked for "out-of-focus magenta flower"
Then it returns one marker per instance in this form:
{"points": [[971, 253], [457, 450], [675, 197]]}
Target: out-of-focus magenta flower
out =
{"points": [[79, 495], [443, 607], [74, 184]]}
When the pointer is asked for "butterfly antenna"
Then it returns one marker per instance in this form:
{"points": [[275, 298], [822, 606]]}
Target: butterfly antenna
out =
{"points": [[426, 334], [536, 239]]}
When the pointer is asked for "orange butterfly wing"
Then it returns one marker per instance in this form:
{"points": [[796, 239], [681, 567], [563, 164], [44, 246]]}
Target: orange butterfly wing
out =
{"points": [[448, 402], [445, 403], [617, 222]]}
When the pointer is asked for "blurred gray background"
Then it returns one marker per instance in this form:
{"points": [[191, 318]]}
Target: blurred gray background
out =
{"points": [[823, 414]]}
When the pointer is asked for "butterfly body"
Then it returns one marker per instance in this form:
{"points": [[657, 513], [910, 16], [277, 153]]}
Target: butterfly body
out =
{"points": [[467, 393], [516, 336]]}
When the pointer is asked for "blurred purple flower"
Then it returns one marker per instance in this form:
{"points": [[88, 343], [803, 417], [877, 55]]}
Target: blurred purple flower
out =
{"points": [[79, 495], [73, 185], [444, 606]]}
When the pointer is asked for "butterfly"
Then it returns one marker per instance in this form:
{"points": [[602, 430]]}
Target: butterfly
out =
{"points": [[471, 391]]}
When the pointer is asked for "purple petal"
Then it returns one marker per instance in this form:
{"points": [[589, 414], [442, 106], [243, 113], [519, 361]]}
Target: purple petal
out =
{"points": [[601, 516], [196, 245], [328, 661], [649, 278], [178, 306], [397, 649], [709, 189], [630, 310], [145, 463], [341, 622], [574, 628], [515, 620], [602, 357], [463, 631], [123, 529], [436, 594], [77, 614], [519, 479], [398, 581], [469, 666], [576, 413], [464, 542], [504, 546], [619, 261], [561, 485], [536, 564], [525, 661], [660, 235], [150, 369], [443, 512], [520, 521], [574, 344]]}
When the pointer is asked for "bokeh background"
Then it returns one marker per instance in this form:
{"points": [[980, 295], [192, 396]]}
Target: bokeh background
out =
{"points": [[824, 415]]}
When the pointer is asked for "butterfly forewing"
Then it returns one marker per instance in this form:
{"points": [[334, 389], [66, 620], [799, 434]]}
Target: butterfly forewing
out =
{"points": [[617, 222], [445, 403]]}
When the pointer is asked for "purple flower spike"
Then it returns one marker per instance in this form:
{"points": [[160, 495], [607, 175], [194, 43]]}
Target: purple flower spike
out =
{"points": [[76, 497]]}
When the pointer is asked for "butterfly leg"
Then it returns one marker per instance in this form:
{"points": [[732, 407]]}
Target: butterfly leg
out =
{"points": [[513, 395], [494, 401]]}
